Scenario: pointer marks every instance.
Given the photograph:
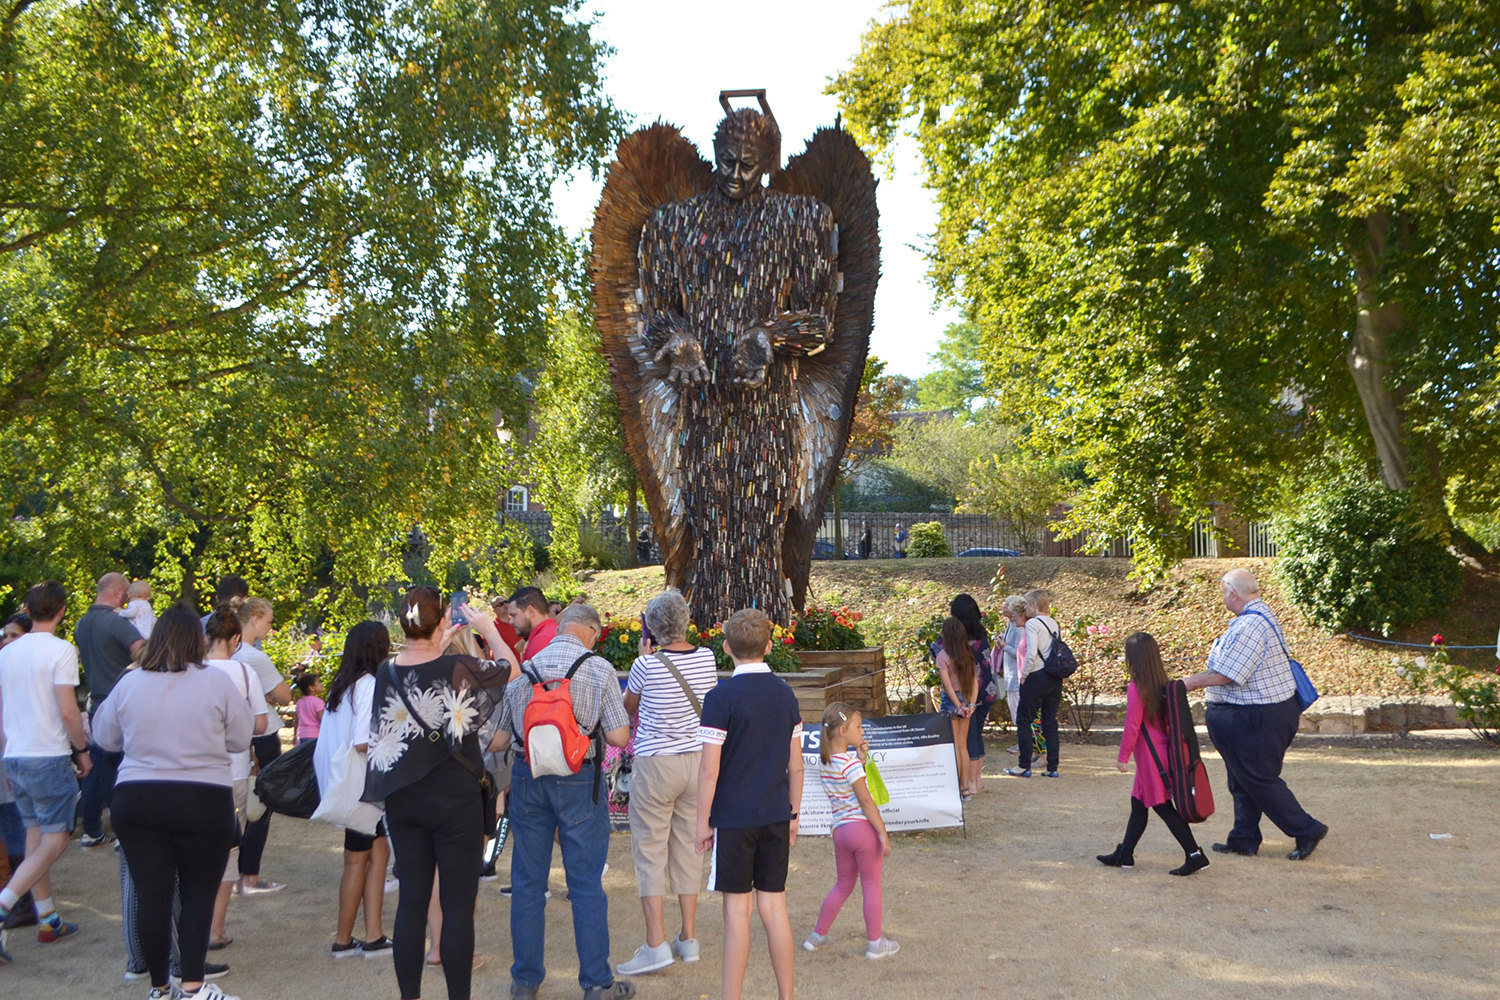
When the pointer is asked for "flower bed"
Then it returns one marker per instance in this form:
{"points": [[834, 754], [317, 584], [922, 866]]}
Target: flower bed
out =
{"points": [[621, 639]]}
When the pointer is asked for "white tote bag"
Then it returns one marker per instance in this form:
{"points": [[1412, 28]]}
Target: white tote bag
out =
{"points": [[340, 803]]}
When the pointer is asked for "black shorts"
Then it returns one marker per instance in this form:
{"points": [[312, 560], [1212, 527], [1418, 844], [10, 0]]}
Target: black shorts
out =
{"points": [[750, 858], [359, 842]]}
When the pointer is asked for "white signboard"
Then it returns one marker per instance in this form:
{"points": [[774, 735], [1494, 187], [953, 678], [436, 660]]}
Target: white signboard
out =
{"points": [[915, 756]]}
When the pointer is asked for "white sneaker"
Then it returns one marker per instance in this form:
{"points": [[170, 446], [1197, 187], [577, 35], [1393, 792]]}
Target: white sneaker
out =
{"points": [[880, 949], [815, 941], [391, 884], [686, 950], [208, 991], [647, 959]]}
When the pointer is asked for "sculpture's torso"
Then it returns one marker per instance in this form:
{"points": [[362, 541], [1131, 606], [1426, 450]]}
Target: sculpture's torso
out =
{"points": [[722, 267]]}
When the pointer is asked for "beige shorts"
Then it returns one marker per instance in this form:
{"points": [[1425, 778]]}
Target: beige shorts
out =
{"points": [[664, 822], [241, 796]]}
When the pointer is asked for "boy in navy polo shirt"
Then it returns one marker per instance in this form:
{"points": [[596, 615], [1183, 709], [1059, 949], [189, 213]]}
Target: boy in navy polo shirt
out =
{"points": [[752, 740]]}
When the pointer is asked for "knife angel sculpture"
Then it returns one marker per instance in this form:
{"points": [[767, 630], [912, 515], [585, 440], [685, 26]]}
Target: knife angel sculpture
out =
{"points": [[735, 315]]}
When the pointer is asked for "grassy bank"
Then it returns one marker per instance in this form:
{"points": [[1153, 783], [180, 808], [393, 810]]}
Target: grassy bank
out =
{"points": [[1185, 613]]}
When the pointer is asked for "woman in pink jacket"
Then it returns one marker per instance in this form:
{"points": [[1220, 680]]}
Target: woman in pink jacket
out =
{"points": [[1145, 720]]}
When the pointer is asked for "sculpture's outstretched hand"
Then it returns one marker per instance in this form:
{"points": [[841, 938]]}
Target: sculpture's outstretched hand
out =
{"points": [[752, 357], [686, 355]]}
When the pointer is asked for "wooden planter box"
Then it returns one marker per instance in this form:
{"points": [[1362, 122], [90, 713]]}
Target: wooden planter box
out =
{"points": [[861, 678]]}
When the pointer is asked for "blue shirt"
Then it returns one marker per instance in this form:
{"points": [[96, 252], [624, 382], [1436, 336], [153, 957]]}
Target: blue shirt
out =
{"points": [[754, 716]]}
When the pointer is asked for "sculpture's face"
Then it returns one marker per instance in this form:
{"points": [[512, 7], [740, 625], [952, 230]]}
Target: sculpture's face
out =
{"points": [[740, 169]]}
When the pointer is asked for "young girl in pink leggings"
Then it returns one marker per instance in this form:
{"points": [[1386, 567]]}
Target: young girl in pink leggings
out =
{"points": [[860, 843]]}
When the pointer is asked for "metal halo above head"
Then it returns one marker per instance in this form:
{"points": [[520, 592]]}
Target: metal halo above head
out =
{"points": [[759, 95]]}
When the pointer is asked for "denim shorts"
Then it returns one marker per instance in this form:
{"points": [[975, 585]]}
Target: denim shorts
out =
{"points": [[46, 791]]}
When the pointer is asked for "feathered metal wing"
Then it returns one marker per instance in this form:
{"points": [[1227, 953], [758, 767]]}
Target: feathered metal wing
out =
{"points": [[653, 167], [836, 171]]}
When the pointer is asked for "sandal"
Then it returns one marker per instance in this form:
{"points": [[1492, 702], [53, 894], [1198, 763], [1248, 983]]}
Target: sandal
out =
{"points": [[220, 944], [478, 961]]}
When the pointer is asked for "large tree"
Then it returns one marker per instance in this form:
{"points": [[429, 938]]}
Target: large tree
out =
{"points": [[1206, 240], [268, 273]]}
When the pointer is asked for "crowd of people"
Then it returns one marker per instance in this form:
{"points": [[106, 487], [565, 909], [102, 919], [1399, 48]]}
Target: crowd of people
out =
{"points": [[487, 724]]}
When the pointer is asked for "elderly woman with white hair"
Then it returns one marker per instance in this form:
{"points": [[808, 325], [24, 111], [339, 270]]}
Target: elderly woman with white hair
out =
{"points": [[664, 696], [1040, 691]]}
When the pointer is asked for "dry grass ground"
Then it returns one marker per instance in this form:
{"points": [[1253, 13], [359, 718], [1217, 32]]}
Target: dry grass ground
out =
{"points": [[1017, 908]]}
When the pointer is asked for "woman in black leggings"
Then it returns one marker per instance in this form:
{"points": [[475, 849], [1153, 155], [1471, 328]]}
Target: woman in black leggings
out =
{"points": [[433, 716], [177, 725]]}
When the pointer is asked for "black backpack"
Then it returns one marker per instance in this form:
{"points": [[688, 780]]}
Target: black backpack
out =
{"points": [[1060, 661]]}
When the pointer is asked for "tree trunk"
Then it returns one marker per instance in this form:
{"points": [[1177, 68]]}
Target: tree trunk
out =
{"points": [[1376, 321], [838, 519], [632, 558]]}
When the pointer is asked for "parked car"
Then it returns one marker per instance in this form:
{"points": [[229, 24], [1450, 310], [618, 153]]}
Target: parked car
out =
{"points": [[988, 552], [823, 549]]}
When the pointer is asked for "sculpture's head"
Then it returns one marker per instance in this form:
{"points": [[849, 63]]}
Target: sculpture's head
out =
{"points": [[747, 146]]}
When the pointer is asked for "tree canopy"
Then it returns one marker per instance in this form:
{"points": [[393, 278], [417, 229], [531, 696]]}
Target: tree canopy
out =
{"points": [[1203, 242], [268, 274], [956, 381]]}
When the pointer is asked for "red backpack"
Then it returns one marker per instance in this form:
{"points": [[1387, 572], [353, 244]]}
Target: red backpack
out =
{"points": [[554, 744]]}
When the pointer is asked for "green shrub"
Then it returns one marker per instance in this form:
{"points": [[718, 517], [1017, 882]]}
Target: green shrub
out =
{"points": [[928, 541], [1356, 554]]}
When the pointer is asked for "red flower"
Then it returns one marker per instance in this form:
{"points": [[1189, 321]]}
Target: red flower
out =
{"points": [[788, 641], [604, 635], [1438, 640]]}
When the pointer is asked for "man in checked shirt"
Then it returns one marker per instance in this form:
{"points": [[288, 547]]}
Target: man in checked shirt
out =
{"points": [[1252, 718]]}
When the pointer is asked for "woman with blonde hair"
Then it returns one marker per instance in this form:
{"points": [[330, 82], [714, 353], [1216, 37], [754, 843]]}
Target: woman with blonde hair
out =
{"points": [[256, 618]]}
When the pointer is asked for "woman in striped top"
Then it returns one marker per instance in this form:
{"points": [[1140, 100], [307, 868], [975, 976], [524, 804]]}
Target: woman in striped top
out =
{"points": [[665, 707]]}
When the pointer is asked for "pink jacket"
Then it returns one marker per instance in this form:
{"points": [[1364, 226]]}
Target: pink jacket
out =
{"points": [[1148, 786]]}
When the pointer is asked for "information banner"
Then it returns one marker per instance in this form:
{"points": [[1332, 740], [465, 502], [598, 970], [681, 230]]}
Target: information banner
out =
{"points": [[915, 756]]}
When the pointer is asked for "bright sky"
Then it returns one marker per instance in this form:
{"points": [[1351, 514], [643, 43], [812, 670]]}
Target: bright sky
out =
{"points": [[673, 57]]}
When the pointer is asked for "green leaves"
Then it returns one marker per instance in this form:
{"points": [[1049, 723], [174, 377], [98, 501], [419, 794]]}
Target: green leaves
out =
{"points": [[1160, 217], [268, 275]]}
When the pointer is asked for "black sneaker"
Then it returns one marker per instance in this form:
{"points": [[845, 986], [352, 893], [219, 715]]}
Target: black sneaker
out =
{"points": [[1195, 862], [1231, 849], [488, 874], [211, 970], [89, 843], [378, 947], [353, 949]]}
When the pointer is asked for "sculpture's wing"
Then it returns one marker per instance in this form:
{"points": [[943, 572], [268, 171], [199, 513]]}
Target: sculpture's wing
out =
{"points": [[653, 167], [836, 171]]}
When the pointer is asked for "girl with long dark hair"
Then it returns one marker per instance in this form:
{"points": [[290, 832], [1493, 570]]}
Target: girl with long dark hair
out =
{"points": [[1145, 714], [346, 723], [179, 726], [958, 672], [966, 609]]}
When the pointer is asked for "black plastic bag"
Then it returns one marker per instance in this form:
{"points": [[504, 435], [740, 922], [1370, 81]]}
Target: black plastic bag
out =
{"points": [[289, 784]]}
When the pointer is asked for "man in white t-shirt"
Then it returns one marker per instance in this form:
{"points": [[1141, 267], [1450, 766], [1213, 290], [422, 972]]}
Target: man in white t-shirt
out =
{"points": [[46, 752]]}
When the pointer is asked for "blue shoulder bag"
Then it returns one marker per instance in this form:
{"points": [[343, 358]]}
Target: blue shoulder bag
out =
{"points": [[1306, 693]]}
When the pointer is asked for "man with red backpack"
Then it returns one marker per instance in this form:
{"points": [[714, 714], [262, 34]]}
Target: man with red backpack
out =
{"points": [[560, 713]]}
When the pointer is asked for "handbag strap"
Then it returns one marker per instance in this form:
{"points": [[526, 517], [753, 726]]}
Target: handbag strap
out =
{"points": [[1166, 782], [1274, 631], [692, 696]]}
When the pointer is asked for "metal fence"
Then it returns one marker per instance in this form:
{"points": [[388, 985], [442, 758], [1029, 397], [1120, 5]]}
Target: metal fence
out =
{"points": [[963, 531], [1262, 544]]}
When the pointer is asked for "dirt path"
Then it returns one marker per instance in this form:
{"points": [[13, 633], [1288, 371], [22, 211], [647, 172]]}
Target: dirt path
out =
{"points": [[1018, 908]]}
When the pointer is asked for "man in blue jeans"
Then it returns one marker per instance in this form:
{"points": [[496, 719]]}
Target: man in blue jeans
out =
{"points": [[572, 807]]}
